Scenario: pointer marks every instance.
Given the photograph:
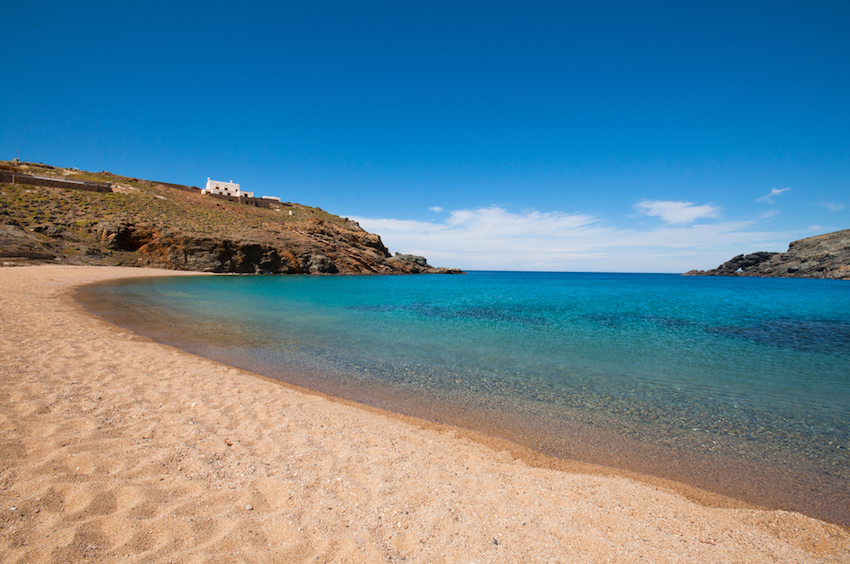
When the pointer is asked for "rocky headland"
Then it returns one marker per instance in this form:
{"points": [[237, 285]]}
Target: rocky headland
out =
{"points": [[60, 215], [823, 256]]}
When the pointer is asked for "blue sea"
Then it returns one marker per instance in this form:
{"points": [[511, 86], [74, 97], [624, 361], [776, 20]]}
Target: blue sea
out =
{"points": [[740, 386]]}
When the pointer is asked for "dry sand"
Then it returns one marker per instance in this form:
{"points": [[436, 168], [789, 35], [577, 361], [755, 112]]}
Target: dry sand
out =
{"points": [[116, 449]]}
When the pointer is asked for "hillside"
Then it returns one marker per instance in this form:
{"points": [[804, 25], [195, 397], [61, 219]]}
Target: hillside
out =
{"points": [[823, 256], [54, 214]]}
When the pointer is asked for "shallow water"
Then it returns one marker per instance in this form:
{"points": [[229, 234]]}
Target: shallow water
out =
{"points": [[737, 385]]}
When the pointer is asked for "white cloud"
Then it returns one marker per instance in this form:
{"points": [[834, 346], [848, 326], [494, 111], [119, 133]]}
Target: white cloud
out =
{"points": [[770, 198], [675, 213], [832, 206], [436, 209], [495, 238]]}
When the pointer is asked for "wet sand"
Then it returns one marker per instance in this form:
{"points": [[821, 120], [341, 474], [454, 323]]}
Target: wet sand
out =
{"points": [[114, 448]]}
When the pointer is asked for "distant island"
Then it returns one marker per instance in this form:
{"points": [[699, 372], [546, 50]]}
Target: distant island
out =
{"points": [[65, 215], [823, 256]]}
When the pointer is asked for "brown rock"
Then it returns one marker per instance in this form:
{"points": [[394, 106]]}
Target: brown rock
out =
{"points": [[823, 256]]}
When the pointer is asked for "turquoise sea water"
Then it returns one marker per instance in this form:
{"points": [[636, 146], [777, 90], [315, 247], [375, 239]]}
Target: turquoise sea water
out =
{"points": [[737, 385]]}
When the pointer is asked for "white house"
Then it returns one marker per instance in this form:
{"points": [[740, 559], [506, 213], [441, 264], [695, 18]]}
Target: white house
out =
{"points": [[225, 188]]}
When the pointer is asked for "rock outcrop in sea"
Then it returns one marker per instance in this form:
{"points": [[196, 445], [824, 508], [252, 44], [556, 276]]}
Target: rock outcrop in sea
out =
{"points": [[52, 214], [823, 256]]}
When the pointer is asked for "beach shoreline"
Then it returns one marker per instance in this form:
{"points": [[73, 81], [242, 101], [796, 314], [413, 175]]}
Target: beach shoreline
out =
{"points": [[117, 447]]}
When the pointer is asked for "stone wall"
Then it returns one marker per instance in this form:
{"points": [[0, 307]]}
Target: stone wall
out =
{"points": [[256, 202], [10, 177]]}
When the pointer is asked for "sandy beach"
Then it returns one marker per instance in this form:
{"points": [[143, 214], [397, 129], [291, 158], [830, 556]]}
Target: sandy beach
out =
{"points": [[114, 448]]}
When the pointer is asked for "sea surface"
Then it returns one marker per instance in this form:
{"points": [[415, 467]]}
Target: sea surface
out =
{"points": [[740, 386]]}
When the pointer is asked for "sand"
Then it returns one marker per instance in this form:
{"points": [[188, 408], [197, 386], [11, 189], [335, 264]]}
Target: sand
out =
{"points": [[114, 448]]}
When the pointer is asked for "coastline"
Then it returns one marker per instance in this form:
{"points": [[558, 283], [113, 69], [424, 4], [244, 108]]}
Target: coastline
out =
{"points": [[116, 446]]}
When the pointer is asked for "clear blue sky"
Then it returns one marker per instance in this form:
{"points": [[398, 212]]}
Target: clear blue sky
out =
{"points": [[608, 136]]}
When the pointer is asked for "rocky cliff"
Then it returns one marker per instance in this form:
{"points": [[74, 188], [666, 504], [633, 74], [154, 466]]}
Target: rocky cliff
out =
{"points": [[824, 256], [143, 223]]}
